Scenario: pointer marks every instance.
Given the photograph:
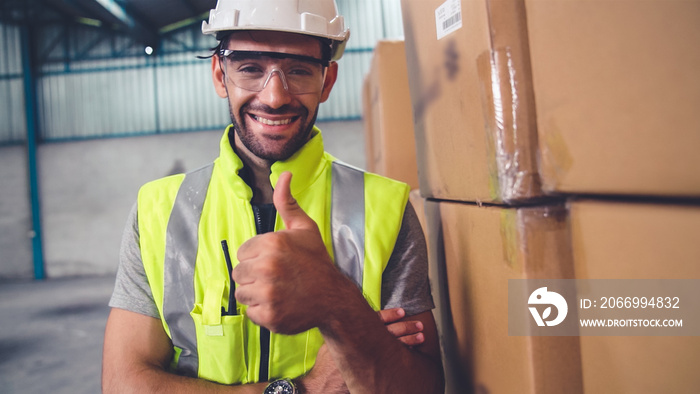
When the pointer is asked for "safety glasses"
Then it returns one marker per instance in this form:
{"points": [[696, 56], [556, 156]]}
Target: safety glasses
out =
{"points": [[252, 70]]}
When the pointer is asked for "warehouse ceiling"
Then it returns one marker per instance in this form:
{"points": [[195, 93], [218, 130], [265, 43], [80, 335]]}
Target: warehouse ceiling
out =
{"points": [[143, 20]]}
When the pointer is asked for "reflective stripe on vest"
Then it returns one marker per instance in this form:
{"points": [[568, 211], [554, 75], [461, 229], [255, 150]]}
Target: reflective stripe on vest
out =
{"points": [[348, 220], [181, 245], [347, 229]]}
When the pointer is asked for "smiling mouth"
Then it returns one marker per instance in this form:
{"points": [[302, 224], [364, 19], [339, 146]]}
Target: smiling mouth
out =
{"points": [[270, 122]]}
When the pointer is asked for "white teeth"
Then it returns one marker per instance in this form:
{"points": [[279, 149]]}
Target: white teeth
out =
{"points": [[273, 122]]}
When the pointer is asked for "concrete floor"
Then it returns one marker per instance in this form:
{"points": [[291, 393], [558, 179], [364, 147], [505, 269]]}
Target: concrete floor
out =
{"points": [[51, 334]]}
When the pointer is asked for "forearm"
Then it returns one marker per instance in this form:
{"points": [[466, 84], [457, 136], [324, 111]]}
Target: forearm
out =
{"points": [[153, 379], [371, 360]]}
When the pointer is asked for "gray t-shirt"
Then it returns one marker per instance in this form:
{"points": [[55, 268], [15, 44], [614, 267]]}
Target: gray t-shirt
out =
{"points": [[405, 281]]}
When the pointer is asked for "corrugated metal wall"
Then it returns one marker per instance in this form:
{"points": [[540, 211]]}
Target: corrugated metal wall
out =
{"points": [[120, 92], [117, 96], [13, 127]]}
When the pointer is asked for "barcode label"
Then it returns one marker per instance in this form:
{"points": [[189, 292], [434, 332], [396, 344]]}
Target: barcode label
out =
{"points": [[451, 21], [448, 18]]}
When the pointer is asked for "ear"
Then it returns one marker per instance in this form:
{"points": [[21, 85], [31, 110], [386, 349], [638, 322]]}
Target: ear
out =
{"points": [[218, 76], [331, 77]]}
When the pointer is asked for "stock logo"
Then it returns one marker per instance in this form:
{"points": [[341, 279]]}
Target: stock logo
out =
{"points": [[543, 297]]}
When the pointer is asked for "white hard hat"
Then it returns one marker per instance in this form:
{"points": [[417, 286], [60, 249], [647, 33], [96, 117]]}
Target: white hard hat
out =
{"points": [[311, 17]]}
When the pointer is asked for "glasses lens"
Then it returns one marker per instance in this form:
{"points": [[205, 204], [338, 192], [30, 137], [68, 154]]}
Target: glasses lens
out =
{"points": [[251, 71]]}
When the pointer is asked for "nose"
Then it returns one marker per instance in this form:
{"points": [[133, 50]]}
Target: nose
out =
{"points": [[274, 93]]}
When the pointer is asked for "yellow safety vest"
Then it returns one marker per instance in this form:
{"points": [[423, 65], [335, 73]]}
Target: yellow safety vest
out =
{"points": [[183, 220]]}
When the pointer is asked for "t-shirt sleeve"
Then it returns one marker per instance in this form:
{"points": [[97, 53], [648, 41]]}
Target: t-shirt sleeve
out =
{"points": [[405, 280], [131, 289]]}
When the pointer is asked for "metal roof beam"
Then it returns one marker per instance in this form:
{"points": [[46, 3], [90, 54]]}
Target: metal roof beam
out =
{"points": [[120, 13], [138, 30]]}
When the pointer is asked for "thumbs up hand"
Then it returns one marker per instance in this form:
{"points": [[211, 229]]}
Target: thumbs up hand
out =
{"points": [[287, 278]]}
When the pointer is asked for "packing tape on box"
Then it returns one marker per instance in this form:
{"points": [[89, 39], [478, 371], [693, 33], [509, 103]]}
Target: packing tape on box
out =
{"points": [[537, 241], [555, 156], [511, 129]]}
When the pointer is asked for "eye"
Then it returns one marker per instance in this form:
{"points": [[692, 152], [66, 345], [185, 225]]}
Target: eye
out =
{"points": [[249, 69], [301, 70]]}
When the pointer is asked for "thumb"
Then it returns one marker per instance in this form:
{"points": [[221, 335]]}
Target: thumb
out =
{"points": [[291, 213]]}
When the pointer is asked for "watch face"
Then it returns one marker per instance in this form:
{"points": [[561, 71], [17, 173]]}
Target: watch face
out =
{"points": [[280, 387]]}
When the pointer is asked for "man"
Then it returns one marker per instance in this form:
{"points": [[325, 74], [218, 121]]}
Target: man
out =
{"points": [[214, 294]]}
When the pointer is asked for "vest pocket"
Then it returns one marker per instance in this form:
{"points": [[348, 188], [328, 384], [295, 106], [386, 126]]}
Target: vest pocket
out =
{"points": [[221, 348]]}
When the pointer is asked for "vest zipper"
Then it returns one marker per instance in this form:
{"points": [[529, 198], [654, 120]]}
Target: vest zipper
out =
{"points": [[264, 225]]}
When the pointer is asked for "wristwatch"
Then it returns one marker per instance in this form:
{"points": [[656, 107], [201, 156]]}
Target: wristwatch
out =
{"points": [[281, 386]]}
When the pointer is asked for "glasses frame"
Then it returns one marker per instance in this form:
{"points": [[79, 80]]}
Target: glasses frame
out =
{"points": [[229, 53]]}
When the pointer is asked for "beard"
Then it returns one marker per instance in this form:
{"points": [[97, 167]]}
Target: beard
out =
{"points": [[256, 144]]}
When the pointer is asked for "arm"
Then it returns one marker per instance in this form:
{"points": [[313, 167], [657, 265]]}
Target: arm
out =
{"points": [[274, 267], [373, 361], [137, 353], [330, 380], [325, 377]]}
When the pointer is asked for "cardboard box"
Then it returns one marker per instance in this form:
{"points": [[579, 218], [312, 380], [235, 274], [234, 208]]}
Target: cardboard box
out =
{"points": [[617, 95], [389, 141], [613, 240], [526, 98], [474, 250], [472, 98]]}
